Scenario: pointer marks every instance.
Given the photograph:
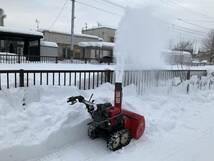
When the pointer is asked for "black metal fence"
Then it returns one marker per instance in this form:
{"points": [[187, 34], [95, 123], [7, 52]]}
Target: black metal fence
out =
{"points": [[147, 79], [90, 79], [82, 79], [13, 59]]}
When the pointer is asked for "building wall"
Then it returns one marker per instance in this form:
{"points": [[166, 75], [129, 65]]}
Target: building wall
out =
{"points": [[48, 51], [108, 34], [63, 41]]}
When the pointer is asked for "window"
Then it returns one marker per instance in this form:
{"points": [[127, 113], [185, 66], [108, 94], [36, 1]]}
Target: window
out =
{"points": [[111, 39]]}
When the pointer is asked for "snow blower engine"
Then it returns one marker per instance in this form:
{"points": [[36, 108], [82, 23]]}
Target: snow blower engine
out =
{"points": [[116, 125]]}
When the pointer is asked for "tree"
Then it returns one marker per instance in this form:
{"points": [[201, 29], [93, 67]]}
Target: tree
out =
{"points": [[208, 45], [184, 46]]}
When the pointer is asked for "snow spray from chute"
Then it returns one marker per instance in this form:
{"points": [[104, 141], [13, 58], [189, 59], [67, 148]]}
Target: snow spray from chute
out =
{"points": [[140, 39]]}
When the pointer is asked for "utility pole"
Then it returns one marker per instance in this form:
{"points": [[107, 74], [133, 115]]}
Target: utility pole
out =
{"points": [[72, 27], [37, 24]]}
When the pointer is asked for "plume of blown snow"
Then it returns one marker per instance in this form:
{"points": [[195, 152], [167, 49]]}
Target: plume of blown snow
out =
{"points": [[141, 38]]}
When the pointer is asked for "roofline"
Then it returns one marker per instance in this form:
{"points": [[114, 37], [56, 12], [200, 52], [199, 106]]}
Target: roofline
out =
{"points": [[12, 30], [23, 35], [101, 27], [76, 35]]}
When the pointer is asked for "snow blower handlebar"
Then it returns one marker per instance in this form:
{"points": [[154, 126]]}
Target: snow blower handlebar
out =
{"points": [[73, 100], [89, 104]]}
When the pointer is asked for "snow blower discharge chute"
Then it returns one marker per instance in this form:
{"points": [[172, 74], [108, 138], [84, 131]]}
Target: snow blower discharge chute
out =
{"points": [[116, 125]]}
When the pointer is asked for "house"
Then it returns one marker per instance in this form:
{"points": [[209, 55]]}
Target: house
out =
{"points": [[205, 56], [108, 36], [20, 41], [106, 33], [48, 49], [2, 17], [63, 41], [95, 51], [177, 57]]}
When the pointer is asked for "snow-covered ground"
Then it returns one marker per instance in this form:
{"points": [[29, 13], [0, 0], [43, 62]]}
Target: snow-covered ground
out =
{"points": [[53, 66], [179, 127]]}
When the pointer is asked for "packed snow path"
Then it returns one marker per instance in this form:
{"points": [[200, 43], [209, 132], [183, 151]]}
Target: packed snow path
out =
{"points": [[179, 127]]}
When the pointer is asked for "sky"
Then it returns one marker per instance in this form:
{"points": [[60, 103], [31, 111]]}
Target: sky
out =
{"points": [[196, 17]]}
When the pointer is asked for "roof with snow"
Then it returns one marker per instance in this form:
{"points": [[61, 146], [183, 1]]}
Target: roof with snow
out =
{"points": [[97, 44], [49, 44], [174, 52], [16, 30], [77, 35], [5, 53], [99, 27]]}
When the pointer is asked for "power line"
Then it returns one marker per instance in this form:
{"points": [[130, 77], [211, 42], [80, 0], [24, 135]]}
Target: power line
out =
{"points": [[189, 32], [201, 20], [182, 27], [103, 2], [114, 4], [59, 14], [187, 22], [175, 2], [186, 30], [193, 24], [97, 8]]}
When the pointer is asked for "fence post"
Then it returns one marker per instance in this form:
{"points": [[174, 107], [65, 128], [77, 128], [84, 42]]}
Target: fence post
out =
{"points": [[188, 78], [6, 59], [56, 60], [19, 58], [108, 76], [21, 78], [157, 78], [188, 75]]}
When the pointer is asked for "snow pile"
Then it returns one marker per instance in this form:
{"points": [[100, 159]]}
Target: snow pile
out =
{"points": [[35, 118], [177, 125], [141, 37], [53, 66]]}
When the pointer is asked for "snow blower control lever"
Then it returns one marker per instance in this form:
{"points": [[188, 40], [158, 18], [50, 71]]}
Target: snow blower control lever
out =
{"points": [[116, 125], [89, 105]]}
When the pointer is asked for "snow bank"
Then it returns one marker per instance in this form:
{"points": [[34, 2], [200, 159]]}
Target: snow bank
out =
{"points": [[37, 120], [42, 66], [46, 125]]}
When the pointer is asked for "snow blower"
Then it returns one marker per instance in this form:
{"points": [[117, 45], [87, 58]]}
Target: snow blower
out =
{"points": [[116, 125]]}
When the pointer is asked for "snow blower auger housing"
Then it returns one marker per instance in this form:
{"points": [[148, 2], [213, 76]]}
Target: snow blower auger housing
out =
{"points": [[115, 125]]}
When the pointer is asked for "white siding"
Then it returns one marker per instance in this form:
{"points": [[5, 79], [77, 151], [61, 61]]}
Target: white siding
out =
{"points": [[48, 51]]}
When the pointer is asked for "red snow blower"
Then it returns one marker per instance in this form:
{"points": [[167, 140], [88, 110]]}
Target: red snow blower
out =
{"points": [[116, 125]]}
